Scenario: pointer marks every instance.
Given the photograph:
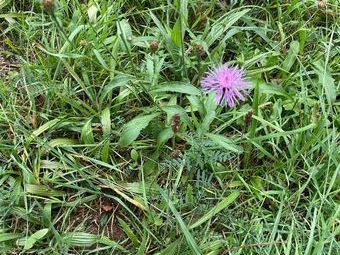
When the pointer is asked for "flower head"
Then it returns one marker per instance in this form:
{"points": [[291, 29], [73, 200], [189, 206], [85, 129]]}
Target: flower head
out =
{"points": [[228, 83]]}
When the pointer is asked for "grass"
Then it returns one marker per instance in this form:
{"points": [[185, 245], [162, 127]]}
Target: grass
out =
{"points": [[108, 146]]}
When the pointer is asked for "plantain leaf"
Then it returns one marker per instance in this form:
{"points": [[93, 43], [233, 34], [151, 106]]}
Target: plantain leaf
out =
{"points": [[30, 241], [9, 236], [176, 33], [179, 87], [106, 122], [132, 129], [291, 56], [87, 133], [164, 136], [42, 190]]}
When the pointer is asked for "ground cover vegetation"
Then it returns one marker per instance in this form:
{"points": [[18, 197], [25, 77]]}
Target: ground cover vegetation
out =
{"points": [[109, 145]]}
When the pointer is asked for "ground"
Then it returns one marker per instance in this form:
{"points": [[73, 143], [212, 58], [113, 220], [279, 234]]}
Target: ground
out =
{"points": [[108, 145]]}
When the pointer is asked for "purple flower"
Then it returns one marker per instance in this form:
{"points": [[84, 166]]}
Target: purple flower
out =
{"points": [[228, 83]]}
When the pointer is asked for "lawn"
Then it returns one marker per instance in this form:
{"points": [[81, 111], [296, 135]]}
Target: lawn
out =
{"points": [[124, 128]]}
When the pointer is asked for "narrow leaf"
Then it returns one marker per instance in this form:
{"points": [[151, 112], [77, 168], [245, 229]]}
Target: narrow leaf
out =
{"points": [[100, 59], [216, 209], [128, 231], [189, 238], [48, 125], [224, 142], [222, 25]]}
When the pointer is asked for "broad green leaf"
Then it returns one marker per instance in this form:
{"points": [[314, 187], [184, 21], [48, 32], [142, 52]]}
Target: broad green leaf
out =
{"points": [[213, 246], [83, 239], [125, 34], [327, 81], [42, 190], [124, 28], [179, 87], [176, 33], [271, 89], [207, 120], [217, 208], [71, 37], [224, 142], [143, 245], [196, 104], [210, 103], [116, 82], [150, 188], [3, 3], [106, 122], [57, 142], [105, 152], [291, 56], [50, 164], [30, 241], [86, 133], [132, 129], [9, 236], [164, 136], [134, 155], [80, 239], [46, 214]]}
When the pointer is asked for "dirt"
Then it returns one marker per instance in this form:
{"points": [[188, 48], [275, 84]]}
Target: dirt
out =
{"points": [[103, 210], [7, 61]]}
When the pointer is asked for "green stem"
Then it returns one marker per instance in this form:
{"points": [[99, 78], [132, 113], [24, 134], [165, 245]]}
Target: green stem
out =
{"points": [[252, 127], [59, 26], [184, 71]]}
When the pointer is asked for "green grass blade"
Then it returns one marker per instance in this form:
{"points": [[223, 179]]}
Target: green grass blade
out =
{"points": [[189, 238], [216, 209]]}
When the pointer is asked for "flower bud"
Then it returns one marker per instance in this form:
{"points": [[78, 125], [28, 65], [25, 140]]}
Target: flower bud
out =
{"points": [[154, 46], [322, 4], [48, 4]]}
